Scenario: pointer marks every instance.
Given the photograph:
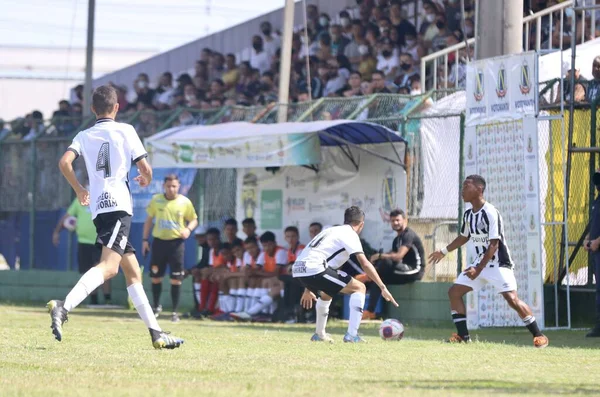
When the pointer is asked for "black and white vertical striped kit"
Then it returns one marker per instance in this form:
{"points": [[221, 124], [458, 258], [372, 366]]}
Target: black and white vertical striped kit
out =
{"points": [[483, 226]]}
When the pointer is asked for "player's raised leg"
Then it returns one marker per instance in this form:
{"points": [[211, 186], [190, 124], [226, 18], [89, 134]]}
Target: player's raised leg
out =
{"points": [[459, 312], [539, 340], [357, 291], [92, 279], [133, 279]]}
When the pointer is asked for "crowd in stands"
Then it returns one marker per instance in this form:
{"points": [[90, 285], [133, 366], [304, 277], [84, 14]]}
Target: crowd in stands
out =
{"points": [[371, 48]]}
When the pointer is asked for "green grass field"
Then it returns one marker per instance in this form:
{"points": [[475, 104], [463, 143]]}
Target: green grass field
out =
{"points": [[109, 353]]}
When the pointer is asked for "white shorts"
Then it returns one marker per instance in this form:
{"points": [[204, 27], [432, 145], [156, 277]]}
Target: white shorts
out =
{"points": [[502, 278]]}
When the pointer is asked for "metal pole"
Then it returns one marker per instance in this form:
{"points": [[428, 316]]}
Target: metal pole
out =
{"points": [[286, 61], [592, 187], [461, 172], [89, 61], [500, 28]]}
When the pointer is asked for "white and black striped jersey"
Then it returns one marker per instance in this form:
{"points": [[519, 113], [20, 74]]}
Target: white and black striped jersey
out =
{"points": [[330, 248], [109, 148], [483, 226]]}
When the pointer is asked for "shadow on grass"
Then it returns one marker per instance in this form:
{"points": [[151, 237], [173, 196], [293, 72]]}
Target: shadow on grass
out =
{"points": [[492, 386]]}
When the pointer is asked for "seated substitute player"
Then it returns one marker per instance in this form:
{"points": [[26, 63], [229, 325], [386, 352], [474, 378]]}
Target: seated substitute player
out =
{"points": [[209, 286], [316, 268], [404, 264], [483, 225], [109, 148], [252, 272], [175, 220]]}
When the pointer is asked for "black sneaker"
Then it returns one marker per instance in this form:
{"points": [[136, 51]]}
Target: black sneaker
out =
{"points": [[163, 340], [58, 314], [157, 310]]}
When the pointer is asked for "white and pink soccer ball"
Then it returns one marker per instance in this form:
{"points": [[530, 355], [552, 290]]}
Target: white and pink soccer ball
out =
{"points": [[391, 329]]}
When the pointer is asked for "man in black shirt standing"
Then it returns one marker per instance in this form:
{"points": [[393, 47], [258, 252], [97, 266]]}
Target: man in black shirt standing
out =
{"points": [[592, 245], [404, 264]]}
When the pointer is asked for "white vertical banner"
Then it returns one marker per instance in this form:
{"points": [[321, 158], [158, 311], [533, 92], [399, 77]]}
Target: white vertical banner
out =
{"points": [[501, 144]]}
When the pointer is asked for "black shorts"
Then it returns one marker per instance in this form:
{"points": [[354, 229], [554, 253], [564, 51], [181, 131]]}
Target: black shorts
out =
{"points": [[167, 252], [330, 281], [88, 256], [113, 231]]}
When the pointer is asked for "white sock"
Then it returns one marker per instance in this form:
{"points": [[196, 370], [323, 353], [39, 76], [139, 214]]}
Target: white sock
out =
{"points": [[231, 300], [257, 296], [241, 298], [91, 280], [273, 307], [322, 308], [220, 301], [249, 301], [357, 302], [264, 302], [197, 288], [140, 301]]}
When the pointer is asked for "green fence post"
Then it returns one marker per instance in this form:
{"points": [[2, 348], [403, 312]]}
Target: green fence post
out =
{"points": [[461, 171], [310, 110], [359, 110], [592, 197], [218, 115]]}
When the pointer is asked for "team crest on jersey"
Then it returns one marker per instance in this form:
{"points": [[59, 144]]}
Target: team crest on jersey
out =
{"points": [[525, 81], [479, 88], [501, 85]]}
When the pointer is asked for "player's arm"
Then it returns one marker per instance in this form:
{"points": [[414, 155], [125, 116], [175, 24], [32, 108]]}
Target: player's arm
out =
{"points": [[145, 172], [374, 276], [139, 158], [66, 167], [59, 226], [489, 253], [192, 219], [146, 234], [440, 254]]}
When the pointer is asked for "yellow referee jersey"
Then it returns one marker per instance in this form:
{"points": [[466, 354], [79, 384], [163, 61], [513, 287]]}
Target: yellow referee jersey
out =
{"points": [[170, 215]]}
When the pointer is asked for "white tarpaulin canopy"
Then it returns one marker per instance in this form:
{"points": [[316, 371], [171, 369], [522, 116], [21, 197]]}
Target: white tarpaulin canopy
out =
{"points": [[243, 144]]}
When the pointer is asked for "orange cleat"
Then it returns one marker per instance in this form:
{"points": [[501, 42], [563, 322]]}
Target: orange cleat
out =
{"points": [[367, 315], [540, 341], [456, 338]]}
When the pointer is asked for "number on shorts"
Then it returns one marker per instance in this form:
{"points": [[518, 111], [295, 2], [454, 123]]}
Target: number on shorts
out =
{"points": [[103, 162]]}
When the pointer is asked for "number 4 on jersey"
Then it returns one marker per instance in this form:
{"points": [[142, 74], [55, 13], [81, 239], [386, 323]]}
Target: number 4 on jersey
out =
{"points": [[103, 162]]}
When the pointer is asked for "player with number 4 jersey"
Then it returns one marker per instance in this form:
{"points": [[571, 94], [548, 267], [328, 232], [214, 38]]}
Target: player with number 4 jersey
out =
{"points": [[317, 270], [109, 149]]}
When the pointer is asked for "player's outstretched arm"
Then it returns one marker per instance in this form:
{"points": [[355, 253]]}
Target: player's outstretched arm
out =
{"points": [[145, 170], [439, 255], [66, 167], [373, 275]]}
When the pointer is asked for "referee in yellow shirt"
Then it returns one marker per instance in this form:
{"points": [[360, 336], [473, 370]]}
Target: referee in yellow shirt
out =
{"points": [[169, 212]]}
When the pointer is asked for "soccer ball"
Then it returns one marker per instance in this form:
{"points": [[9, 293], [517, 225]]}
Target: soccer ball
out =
{"points": [[391, 329], [70, 223]]}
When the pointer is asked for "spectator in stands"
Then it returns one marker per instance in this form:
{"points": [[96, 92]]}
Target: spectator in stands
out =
{"points": [[458, 69], [77, 114], [408, 70], [428, 29], [335, 80], [232, 74], [35, 122], [387, 61], [271, 41], [352, 50], [217, 89], [353, 88], [439, 41], [268, 91], [312, 18], [216, 66], [61, 119], [399, 21], [413, 47], [191, 97], [338, 40], [470, 28], [593, 86], [324, 51], [314, 229], [385, 27], [147, 123], [259, 59], [415, 85], [346, 24], [368, 63], [453, 14], [145, 94], [183, 80], [372, 37], [377, 13], [164, 92], [316, 84], [201, 69], [78, 94], [378, 83]]}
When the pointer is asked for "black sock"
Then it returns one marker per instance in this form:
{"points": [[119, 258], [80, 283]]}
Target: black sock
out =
{"points": [[156, 290], [154, 334], [532, 326], [107, 297], [175, 292], [94, 298], [460, 321]]}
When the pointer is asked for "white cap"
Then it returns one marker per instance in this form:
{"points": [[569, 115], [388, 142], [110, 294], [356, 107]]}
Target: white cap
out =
{"points": [[200, 230]]}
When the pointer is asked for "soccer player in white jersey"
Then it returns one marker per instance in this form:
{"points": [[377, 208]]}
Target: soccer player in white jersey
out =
{"points": [[317, 270], [482, 224], [109, 150]]}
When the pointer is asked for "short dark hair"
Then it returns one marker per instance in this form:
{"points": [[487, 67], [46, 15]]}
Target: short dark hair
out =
{"points": [[236, 243], [213, 230], [251, 240], [379, 72], [231, 221], [319, 224], [353, 216], [292, 229], [267, 237], [477, 180], [397, 212], [249, 221], [104, 99], [171, 177], [225, 246]]}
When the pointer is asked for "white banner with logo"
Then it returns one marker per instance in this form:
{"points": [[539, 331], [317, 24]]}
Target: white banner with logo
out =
{"points": [[501, 144], [298, 196]]}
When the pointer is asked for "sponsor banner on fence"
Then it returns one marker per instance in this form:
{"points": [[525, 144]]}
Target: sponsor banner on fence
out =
{"points": [[142, 195], [501, 86], [298, 196]]}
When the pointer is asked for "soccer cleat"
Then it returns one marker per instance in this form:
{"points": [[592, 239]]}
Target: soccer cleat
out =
{"points": [[166, 341], [58, 314], [540, 341], [353, 339], [157, 310], [241, 316], [174, 318], [325, 338], [367, 315], [456, 338]]}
